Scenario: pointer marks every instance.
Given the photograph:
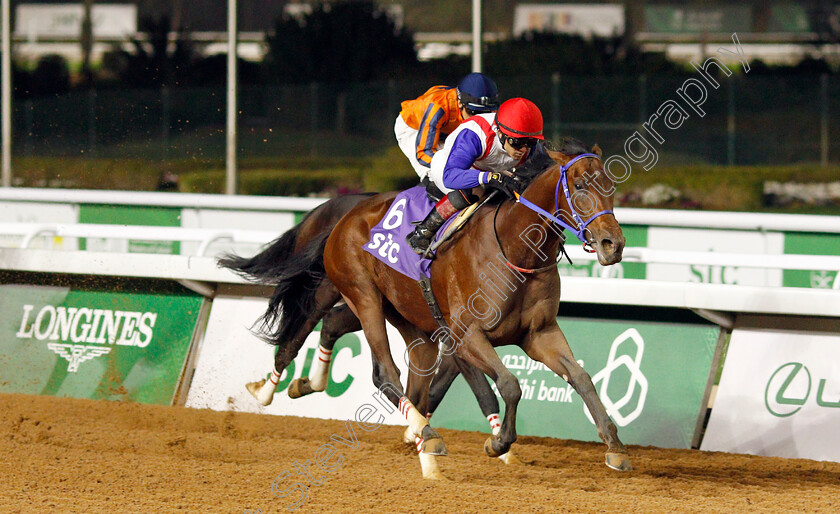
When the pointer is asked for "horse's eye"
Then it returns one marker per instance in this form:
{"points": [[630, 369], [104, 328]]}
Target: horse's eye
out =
{"points": [[579, 184]]}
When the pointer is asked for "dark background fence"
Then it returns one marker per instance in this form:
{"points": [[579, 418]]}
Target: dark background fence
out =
{"points": [[750, 119]]}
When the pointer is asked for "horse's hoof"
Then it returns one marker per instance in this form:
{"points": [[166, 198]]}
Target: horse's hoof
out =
{"points": [[510, 459], [489, 448], [619, 461], [432, 442], [254, 388], [434, 446], [408, 436], [300, 387], [431, 471], [435, 475]]}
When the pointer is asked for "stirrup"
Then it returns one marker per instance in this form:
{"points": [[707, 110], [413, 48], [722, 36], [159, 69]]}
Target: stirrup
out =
{"points": [[420, 242]]}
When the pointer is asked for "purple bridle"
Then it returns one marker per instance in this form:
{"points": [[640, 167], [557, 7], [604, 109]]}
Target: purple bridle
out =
{"points": [[580, 229]]}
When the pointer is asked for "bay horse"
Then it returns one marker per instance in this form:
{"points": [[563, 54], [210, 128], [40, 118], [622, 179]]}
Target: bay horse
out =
{"points": [[287, 321], [483, 304]]}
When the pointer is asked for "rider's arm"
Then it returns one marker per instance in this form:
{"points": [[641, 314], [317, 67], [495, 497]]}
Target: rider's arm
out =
{"points": [[428, 133], [458, 172]]}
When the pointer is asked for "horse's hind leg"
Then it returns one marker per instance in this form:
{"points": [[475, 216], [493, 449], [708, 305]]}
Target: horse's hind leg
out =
{"points": [[449, 368], [386, 377], [338, 321], [552, 349], [325, 297], [478, 352]]}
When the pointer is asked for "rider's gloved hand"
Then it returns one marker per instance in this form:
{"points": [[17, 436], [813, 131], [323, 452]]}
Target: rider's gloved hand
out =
{"points": [[503, 181]]}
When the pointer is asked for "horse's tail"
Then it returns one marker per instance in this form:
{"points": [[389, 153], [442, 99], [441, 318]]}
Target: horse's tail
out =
{"points": [[265, 267], [294, 265], [293, 299]]}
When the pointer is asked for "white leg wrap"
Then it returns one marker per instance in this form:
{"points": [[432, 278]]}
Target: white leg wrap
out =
{"points": [[266, 393], [496, 427], [320, 372], [416, 421], [428, 463], [495, 423]]}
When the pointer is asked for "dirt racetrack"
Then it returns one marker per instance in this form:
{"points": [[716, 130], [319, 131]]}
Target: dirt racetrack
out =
{"points": [[68, 455]]}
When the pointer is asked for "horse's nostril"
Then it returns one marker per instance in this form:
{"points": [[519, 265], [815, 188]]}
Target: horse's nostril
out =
{"points": [[607, 245]]}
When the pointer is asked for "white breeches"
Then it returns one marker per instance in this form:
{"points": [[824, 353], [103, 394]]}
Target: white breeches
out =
{"points": [[407, 141]]}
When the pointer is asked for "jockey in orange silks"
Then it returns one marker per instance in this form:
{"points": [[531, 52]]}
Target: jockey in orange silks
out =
{"points": [[425, 121]]}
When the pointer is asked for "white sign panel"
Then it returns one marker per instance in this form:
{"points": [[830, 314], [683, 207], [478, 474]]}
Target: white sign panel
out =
{"points": [[218, 219], [34, 212], [779, 395], [65, 20], [601, 20], [232, 356], [707, 240]]}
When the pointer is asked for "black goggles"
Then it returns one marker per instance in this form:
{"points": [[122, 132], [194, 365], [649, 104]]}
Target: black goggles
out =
{"points": [[519, 142]]}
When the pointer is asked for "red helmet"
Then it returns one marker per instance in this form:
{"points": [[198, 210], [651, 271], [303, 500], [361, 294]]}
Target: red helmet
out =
{"points": [[519, 117]]}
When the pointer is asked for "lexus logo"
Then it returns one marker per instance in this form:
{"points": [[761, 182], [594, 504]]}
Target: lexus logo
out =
{"points": [[787, 389]]}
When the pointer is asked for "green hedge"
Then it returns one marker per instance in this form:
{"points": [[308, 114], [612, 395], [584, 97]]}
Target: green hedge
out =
{"points": [[737, 188], [308, 177]]}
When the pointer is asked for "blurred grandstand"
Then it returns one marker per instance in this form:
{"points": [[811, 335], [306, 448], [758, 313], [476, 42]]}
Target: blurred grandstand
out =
{"points": [[598, 70]]}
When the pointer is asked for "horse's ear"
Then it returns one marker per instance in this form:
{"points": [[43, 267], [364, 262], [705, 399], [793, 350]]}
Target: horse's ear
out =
{"points": [[596, 150]]}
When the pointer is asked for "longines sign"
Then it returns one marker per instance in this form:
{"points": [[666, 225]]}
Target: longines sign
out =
{"points": [[90, 343]]}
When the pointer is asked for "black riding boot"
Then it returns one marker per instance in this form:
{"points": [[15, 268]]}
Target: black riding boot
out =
{"points": [[421, 238]]}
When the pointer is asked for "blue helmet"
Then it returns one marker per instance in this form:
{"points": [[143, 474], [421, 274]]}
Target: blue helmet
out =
{"points": [[478, 93]]}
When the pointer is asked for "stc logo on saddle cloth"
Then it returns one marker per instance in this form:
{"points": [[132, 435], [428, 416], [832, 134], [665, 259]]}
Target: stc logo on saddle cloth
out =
{"points": [[388, 248], [789, 389], [82, 334], [636, 382]]}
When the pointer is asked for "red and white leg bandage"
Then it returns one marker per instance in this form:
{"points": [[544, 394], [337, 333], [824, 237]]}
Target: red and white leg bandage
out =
{"points": [[495, 423], [275, 377]]}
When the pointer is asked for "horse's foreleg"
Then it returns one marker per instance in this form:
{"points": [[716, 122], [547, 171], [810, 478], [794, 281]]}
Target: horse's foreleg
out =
{"points": [[338, 321], [487, 400], [552, 349]]}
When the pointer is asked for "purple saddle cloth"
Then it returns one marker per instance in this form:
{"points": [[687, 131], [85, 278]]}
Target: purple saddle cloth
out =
{"points": [[387, 239]]}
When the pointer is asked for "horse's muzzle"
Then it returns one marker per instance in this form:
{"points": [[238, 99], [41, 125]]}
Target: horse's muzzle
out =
{"points": [[610, 250]]}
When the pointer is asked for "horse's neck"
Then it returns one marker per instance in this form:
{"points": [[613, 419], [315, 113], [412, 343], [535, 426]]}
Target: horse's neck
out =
{"points": [[516, 223]]}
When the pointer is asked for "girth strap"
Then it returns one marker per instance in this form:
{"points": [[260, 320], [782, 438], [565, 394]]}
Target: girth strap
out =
{"points": [[429, 295]]}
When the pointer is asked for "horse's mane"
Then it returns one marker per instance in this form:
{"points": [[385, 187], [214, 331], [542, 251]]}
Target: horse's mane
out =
{"points": [[540, 161], [569, 146]]}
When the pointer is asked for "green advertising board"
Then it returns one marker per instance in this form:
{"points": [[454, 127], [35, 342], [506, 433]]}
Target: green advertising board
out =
{"points": [[650, 376], [83, 343], [810, 244]]}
